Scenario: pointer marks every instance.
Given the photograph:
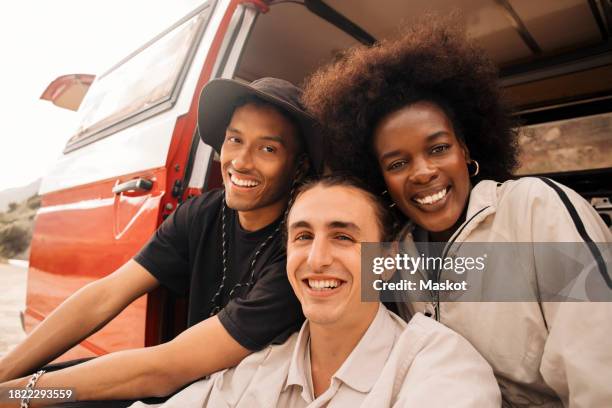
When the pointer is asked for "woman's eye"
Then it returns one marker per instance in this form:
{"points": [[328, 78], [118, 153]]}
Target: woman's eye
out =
{"points": [[233, 139], [396, 165], [440, 148], [268, 149]]}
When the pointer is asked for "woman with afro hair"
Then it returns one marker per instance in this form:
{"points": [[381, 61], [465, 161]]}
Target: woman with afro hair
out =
{"points": [[422, 118]]}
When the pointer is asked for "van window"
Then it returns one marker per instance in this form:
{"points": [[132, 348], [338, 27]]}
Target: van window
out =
{"points": [[567, 145], [148, 78]]}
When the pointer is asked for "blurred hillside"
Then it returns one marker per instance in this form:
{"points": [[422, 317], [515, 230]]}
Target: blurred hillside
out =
{"points": [[16, 225], [18, 194]]}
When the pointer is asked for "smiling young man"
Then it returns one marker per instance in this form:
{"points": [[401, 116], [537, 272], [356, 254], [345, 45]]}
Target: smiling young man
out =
{"points": [[349, 353], [223, 248]]}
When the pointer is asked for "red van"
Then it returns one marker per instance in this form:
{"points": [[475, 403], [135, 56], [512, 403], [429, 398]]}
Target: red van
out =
{"points": [[137, 153]]}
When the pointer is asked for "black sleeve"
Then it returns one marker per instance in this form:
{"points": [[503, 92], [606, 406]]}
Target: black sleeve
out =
{"points": [[269, 313], [166, 255]]}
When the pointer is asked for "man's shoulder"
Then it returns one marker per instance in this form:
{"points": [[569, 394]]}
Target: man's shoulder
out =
{"points": [[206, 203], [274, 358], [431, 341], [258, 377], [207, 200]]}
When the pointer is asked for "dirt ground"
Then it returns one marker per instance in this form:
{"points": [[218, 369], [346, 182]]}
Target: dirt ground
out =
{"points": [[12, 301]]}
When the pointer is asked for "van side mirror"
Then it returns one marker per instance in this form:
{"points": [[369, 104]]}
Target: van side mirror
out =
{"points": [[68, 91]]}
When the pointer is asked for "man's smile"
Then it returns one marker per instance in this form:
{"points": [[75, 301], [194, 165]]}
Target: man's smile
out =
{"points": [[241, 181], [323, 286]]}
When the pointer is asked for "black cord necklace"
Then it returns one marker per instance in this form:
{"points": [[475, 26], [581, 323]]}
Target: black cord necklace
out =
{"points": [[216, 307], [225, 245]]}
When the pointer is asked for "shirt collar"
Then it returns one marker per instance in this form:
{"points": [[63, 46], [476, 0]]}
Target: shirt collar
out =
{"points": [[297, 367], [362, 367]]}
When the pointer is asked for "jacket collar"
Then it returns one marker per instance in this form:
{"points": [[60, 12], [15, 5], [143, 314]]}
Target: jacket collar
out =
{"points": [[483, 194], [481, 203]]}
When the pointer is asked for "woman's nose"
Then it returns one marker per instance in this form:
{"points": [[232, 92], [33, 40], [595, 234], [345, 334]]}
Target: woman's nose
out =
{"points": [[423, 171]]}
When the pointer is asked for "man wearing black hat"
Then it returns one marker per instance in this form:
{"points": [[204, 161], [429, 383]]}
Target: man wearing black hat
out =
{"points": [[222, 248]]}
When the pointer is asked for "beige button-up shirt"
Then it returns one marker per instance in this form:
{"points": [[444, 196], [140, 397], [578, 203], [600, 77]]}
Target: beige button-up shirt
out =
{"points": [[395, 364]]}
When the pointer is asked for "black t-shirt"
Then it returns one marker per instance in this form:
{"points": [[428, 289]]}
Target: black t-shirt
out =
{"points": [[185, 255]]}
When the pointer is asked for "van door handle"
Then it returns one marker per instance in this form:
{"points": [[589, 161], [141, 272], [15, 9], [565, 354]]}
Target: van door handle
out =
{"points": [[139, 184]]}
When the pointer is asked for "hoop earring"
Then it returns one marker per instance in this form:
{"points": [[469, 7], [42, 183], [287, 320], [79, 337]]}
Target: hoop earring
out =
{"points": [[477, 168], [385, 193]]}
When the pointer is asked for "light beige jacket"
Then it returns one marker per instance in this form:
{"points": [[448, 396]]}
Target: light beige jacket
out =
{"points": [[543, 354]]}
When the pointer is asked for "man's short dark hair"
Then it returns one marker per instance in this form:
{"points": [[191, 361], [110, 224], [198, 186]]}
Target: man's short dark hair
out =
{"points": [[384, 218]]}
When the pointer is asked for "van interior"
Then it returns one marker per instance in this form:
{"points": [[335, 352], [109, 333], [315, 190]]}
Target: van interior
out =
{"points": [[554, 57]]}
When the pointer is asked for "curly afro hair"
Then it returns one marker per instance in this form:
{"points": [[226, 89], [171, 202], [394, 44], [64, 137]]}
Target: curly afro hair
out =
{"points": [[432, 61]]}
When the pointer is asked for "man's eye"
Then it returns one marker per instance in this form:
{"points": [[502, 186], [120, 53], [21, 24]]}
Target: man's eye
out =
{"points": [[268, 149], [233, 139], [344, 237], [396, 165], [303, 237], [440, 148]]}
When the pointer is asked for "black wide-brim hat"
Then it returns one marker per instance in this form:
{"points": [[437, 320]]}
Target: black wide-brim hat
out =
{"points": [[218, 101]]}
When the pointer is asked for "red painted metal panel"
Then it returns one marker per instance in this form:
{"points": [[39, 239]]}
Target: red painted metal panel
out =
{"points": [[85, 233]]}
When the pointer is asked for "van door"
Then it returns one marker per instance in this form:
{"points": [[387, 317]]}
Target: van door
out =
{"points": [[122, 173]]}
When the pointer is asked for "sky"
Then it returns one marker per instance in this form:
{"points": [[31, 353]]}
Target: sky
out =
{"points": [[42, 40]]}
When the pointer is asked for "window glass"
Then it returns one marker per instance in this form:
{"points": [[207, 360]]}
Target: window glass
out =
{"points": [[567, 145], [145, 79]]}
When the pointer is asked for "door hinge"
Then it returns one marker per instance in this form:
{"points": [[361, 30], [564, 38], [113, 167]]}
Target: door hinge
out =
{"points": [[177, 189]]}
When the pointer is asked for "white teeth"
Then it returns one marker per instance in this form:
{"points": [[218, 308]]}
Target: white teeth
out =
{"points": [[433, 198], [326, 284], [243, 183]]}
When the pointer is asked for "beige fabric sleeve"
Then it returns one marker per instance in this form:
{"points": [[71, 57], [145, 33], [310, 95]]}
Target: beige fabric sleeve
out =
{"points": [[577, 358]]}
